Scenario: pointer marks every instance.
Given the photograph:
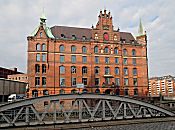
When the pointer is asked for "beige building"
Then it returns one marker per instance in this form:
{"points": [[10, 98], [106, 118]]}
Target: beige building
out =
{"points": [[162, 86], [18, 77]]}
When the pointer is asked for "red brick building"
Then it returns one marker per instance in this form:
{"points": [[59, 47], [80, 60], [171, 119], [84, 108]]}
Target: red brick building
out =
{"points": [[4, 72], [100, 59]]}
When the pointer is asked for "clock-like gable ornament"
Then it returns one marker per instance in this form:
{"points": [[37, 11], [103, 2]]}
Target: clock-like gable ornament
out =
{"points": [[106, 37]]}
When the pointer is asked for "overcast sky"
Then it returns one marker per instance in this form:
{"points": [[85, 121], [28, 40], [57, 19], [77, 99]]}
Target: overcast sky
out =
{"points": [[20, 17]]}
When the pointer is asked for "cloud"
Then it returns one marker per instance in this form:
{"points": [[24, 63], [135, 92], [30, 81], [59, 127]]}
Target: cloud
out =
{"points": [[19, 18]]}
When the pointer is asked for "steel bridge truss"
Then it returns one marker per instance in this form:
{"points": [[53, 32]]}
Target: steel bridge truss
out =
{"points": [[84, 108]]}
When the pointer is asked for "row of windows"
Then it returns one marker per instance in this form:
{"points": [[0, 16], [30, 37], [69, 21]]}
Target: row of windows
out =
{"points": [[96, 60], [37, 68], [96, 50], [97, 70], [85, 81], [40, 47], [62, 91], [84, 59]]}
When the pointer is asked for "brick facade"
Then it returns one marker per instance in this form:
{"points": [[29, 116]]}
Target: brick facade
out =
{"points": [[58, 46]]}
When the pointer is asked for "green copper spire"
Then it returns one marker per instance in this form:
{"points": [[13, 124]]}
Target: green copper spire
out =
{"points": [[43, 17], [140, 31]]}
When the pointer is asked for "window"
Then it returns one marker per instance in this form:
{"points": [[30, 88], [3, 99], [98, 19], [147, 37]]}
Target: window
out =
{"points": [[41, 34], [96, 49], [34, 93], [43, 81], [117, 81], [62, 91], [37, 57], [38, 47], [43, 47], [135, 92], [97, 81], [84, 38], [63, 36], [125, 81], [105, 36], [125, 61], [107, 60], [125, 52], [115, 37], [116, 70], [37, 81], [37, 68], [96, 59], [73, 59], [61, 48], [84, 70], [62, 69], [107, 70], [43, 57], [106, 50], [116, 51], [134, 61], [62, 81], [126, 92], [107, 80], [133, 52], [61, 58], [84, 81], [84, 58], [116, 60], [135, 81], [45, 92], [73, 81], [134, 71], [125, 71], [96, 36], [74, 37], [97, 70], [43, 68], [73, 69], [73, 49], [84, 49]]}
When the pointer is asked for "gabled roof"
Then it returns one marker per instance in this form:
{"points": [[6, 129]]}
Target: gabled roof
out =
{"points": [[46, 29], [69, 31]]}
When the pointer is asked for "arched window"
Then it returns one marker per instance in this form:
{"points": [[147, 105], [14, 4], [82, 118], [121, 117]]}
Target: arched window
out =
{"points": [[84, 70], [125, 71], [134, 71], [62, 69], [96, 49], [97, 69], [83, 38], [117, 70], [116, 50], [45, 92], [107, 70], [84, 49], [43, 47], [74, 91], [73, 69], [37, 68], [62, 91], [133, 52], [63, 36], [106, 50], [43, 68], [96, 36], [74, 37], [73, 49], [125, 52], [38, 47], [61, 48], [34, 93]]}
